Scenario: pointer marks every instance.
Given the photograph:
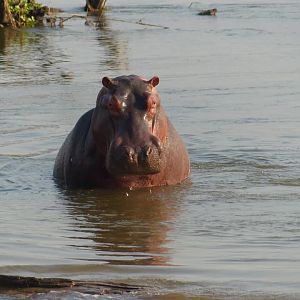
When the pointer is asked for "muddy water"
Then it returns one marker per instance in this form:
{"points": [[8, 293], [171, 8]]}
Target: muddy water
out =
{"points": [[230, 84]]}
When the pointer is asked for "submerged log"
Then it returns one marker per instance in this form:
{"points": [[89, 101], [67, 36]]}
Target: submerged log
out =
{"points": [[6, 17], [9, 282]]}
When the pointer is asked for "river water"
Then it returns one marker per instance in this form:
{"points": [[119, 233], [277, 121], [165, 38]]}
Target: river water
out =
{"points": [[230, 85]]}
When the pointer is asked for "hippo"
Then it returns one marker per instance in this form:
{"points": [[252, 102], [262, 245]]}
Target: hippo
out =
{"points": [[126, 141]]}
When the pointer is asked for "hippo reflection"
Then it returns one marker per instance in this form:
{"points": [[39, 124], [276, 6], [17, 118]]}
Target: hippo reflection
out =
{"points": [[125, 141], [131, 230]]}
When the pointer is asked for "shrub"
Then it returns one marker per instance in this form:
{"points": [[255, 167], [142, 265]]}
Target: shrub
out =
{"points": [[26, 12]]}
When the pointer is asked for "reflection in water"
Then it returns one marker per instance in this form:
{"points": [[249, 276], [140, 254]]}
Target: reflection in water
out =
{"points": [[43, 55], [30, 57], [126, 228], [7, 37], [115, 48]]}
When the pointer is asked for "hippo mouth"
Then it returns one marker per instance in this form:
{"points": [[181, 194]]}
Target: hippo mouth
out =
{"points": [[126, 160]]}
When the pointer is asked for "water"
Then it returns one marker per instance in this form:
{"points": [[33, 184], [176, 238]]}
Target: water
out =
{"points": [[230, 85]]}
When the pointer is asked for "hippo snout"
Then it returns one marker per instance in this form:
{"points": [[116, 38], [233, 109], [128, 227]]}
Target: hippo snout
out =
{"points": [[128, 160], [127, 155]]}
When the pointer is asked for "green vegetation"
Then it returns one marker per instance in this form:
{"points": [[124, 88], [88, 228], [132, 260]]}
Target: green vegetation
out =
{"points": [[25, 12]]}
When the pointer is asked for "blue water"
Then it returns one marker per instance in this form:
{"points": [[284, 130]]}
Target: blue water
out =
{"points": [[230, 85]]}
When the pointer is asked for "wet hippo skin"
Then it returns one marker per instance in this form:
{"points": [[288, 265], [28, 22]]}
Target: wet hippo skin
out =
{"points": [[125, 141]]}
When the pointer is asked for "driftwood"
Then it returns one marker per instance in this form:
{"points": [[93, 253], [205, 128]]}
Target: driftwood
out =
{"points": [[208, 12], [52, 20], [139, 22], [205, 12], [8, 282], [61, 20]]}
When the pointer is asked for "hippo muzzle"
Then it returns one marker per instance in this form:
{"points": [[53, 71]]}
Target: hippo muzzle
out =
{"points": [[129, 159]]}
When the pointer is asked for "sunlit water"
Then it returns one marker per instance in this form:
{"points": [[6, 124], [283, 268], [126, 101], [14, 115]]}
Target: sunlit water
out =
{"points": [[230, 85]]}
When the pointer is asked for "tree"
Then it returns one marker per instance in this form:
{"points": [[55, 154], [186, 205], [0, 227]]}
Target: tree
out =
{"points": [[6, 17]]}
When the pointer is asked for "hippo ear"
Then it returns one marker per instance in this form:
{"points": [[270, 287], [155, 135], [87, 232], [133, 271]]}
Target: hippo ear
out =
{"points": [[109, 83], [154, 81]]}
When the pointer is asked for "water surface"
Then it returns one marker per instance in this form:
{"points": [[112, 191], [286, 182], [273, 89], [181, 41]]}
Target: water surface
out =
{"points": [[230, 85]]}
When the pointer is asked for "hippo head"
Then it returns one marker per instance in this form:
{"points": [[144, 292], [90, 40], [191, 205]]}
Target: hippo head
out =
{"points": [[124, 125]]}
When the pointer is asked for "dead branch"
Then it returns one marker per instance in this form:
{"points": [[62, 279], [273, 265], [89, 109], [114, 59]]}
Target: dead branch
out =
{"points": [[139, 22], [53, 18]]}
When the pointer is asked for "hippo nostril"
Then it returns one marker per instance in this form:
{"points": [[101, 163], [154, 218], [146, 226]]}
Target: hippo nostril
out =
{"points": [[156, 143], [148, 151], [130, 154]]}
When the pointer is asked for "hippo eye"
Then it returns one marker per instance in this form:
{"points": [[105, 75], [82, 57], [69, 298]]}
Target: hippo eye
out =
{"points": [[145, 100], [123, 95], [115, 105]]}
